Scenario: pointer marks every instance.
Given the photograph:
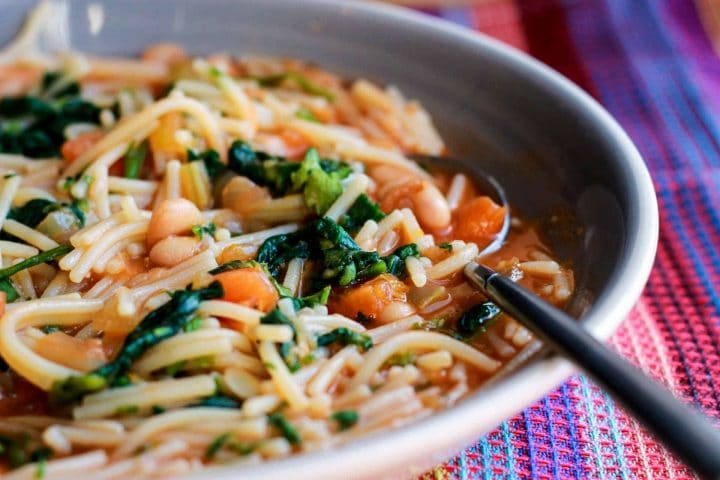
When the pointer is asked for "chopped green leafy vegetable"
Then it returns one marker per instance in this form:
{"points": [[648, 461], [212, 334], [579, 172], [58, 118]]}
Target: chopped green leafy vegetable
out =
{"points": [[10, 293], [318, 179], [200, 230], [318, 298], [276, 317], [135, 159], [216, 445], [158, 325], [320, 189], [299, 79], [21, 450], [345, 418], [42, 257], [446, 246], [345, 336], [400, 359], [287, 429], [218, 401], [477, 319], [343, 261], [127, 410], [362, 210], [46, 329], [34, 211], [34, 125], [306, 114], [214, 166]]}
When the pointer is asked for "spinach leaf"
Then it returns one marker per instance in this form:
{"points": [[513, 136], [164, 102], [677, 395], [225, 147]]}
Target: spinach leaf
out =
{"points": [[362, 210], [216, 445], [343, 261], [320, 189], [34, 125], [287, 429], [345, 418], [42, 257], [477, 319], [299, 79], [36, 210], [158, 325], [318, 298], [212, 162], [318, 179], [33, 212], [10, 293], [134, 159], [345, 336], [218, 401]]}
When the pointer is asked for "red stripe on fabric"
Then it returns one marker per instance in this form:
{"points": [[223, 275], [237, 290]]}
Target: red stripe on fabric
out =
{"points": [[549, 40], [500, 20]]}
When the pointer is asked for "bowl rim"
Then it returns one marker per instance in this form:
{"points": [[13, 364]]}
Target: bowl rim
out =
{"points": [[390, 450], [463, 422]]}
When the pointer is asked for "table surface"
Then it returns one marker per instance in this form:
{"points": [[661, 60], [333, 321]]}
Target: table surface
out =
{"points": [[653, 66]]}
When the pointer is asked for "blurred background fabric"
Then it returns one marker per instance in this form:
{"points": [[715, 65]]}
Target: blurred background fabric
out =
{"points": [[654, 65]]}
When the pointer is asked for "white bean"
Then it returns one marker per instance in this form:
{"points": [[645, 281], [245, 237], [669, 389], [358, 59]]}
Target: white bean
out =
{"points": [[175, 216]]}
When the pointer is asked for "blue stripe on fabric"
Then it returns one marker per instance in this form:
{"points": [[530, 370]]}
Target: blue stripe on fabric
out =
{"points": [[577, 456], [532, 454], [509, 453], [458, 15], [593, 423], [462, 463], [486, 456], [615, 435], [551, 431]]}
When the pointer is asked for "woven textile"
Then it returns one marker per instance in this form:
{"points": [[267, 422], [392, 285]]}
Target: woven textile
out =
{"points": [[650, 63]]}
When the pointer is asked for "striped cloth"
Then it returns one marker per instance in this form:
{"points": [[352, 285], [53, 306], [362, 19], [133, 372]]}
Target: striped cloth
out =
{"points": [[650, 63]]}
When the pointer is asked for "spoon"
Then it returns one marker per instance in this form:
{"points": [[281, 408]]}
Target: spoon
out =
{"points": [[687, 433]]}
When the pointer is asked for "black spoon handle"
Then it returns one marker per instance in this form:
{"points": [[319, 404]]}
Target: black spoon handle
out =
{"points": [[681, 429]]}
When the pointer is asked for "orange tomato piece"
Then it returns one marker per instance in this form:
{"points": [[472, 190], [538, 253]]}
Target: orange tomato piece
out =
{"points": [[369, 298], [296, 144], [162, 139], [478, 220], [3, 300], [249, 287], [75, 147], [169, 54]]}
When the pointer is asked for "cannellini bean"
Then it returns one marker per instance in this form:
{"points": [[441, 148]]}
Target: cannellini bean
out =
{"points": [[431, 207], [400, 188], [242, 195], [175, 216], [170, 251], [395, 311]]}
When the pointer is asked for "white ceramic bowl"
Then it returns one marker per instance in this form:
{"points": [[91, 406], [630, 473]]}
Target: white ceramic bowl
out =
{"points": [[550, 144]]}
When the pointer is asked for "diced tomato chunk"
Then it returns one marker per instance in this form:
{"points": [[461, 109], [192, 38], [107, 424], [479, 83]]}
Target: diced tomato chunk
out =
{"points": [[75, 147], [249, 287], [369, 298], [478, 221]]}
